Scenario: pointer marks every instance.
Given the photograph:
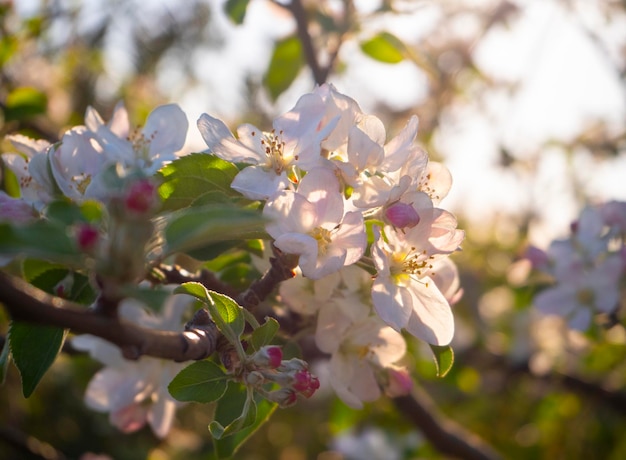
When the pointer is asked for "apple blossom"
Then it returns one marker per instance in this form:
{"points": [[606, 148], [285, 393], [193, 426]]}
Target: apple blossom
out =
{"points": [[404, 292], [293, 141], [135, 392], [311, 223]]}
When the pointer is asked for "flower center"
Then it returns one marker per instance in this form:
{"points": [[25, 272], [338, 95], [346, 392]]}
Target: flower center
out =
{"points": [[323, 239], [141, 144], [404, 266], [274, 151]]}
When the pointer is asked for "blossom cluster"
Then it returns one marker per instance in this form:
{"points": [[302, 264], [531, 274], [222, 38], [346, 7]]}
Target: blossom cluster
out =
{"points": [[587, 269], [360, 211], [326, 172]]}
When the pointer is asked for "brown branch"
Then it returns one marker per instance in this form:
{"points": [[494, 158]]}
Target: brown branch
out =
{"points": [[302, 28], [445, 435], [27, 303], [28, 445], [282, 266]]}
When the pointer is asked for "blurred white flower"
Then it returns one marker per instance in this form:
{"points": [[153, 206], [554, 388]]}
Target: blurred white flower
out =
{"points": [[135, 392]]}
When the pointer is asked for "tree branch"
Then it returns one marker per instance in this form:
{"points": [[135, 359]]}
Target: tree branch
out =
{"points": [[27, 303], [302, 28], [445, 435]]}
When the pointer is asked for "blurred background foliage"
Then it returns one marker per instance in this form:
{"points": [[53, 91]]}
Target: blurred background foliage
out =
{"points": [[524, 384]]}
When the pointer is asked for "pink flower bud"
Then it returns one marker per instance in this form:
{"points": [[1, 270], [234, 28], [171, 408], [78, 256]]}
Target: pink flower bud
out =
{"points": [[285, 397], [141, 197], [268, 357], [400, 383], [87, 237], [305, 383], [402, 215]]}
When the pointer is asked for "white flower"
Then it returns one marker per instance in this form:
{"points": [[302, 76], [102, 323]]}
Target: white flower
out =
{"points": [[147, 148], [293, 141], [37, 186], [404, 292], [312, 224], [135, 392]]}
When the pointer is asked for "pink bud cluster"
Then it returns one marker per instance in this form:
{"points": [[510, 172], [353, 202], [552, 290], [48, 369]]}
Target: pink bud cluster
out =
{"points": [[266, 367]]}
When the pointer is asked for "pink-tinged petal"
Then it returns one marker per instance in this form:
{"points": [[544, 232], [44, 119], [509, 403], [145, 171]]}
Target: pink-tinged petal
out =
{"points": [[326, 263], [351, 237], [392, 303], [400, 383], [15, 210], [289, 212], [446, 277], [111, 389], [99, 349], [363, 383], [297, 243], [363, 152], [431, 319], [371, 193], [437, 182], [222, 143], [166, 130], [321, 188], [130, 418], [331, 327], [257, 183], [342, 371], [161, 416], [557, 300], [398, 149], [385, 345]]}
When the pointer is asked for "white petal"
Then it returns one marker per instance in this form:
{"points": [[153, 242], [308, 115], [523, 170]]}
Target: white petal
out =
{"points": [[222, 143], [257, 183], [431, 318], [392, 303], [166, 129]]}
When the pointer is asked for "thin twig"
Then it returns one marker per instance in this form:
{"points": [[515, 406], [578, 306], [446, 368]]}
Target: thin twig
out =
{"points": [[445, 435]]}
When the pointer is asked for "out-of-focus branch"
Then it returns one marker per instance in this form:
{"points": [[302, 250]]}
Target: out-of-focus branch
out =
{"points": [[28, 445], [320, 72], [27, 303], [445, 435]]}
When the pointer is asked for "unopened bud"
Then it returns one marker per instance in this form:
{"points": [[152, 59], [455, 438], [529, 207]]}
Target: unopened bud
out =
{"points": [[294, 364], [268, 357], [87, 237], [285, 397], [141, 196], [400, 383], [64, 287], [255, 378], [305, 383], [402, 215]]}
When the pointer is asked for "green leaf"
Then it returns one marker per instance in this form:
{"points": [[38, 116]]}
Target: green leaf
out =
{"points": [[202, 381], [228, 407], [226, 447], [25, 102], [68, 213], [285, 64], [224, 311], [264, 334], [34, 348], [384, 47], [236, 10], [40, 239], [444, 359], [194, 228], [199, 178]]}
